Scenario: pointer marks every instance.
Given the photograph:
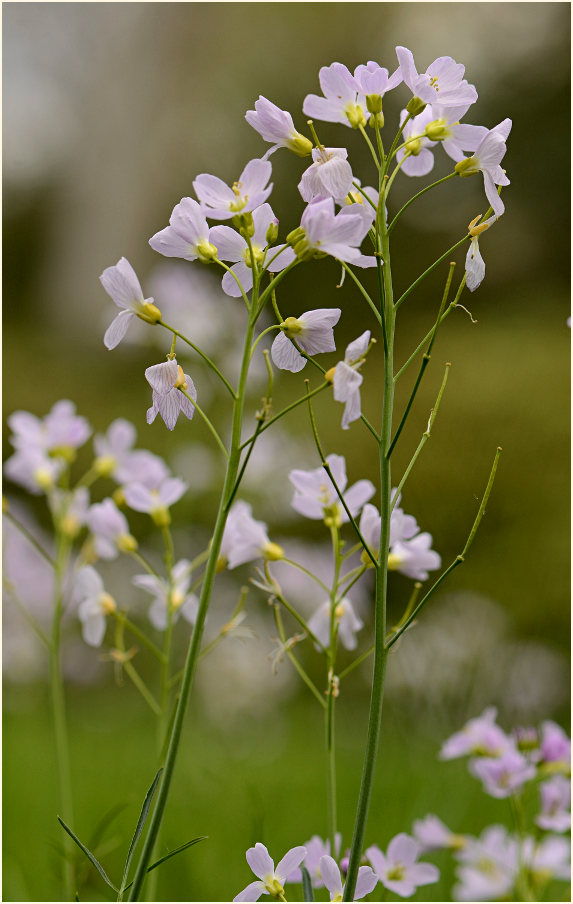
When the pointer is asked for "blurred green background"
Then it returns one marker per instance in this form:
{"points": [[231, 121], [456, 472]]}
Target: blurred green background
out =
{"points": [[110, 111]]}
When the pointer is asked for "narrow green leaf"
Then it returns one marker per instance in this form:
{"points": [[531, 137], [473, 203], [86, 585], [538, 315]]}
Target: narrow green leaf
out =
{"points": [[104, 824], [88, 854], [139, 827], [172, 854], [307, 892]]}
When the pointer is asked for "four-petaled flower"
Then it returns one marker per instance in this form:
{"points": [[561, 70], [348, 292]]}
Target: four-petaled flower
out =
{"points": [[345, 619], [342, 101], [347, 380], [122, 285], [187, 235], [330, 174], [219, 202], [487, 159], [276, 125], [442, 82], [166, 380], [365, 882], [315, 495], [312, 331], [171, 598], [245, 539], [94, 605], [340, 235], [271, 880], [110, 530], [398, 869]]}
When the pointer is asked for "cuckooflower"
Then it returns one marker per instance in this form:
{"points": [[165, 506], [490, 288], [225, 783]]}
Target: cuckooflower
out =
{"points": [[245, 539], [398, 869], [479, 737], [165, 598], [312, 331], [433, 835], [165, 380], [344, 616], [442, 82], [187, 235], [59, 433], [233, 247], [155, 502], [487, 159], [110, 530], [475, 264], [488, 866], [143, 467], [502, 776], [417, 159], [315, 849], [346, 380], [414, 558], [219, 202], [555, 743], [321, 232], [271, 880], [330, 174], [276, 125], [94, 605], [114, 449], [122, 285], [548, 859], [555, 813], [70, 509], [315, 495], [358, 204], [365, 882], [342, 101], [373, 81], [34, 470]]}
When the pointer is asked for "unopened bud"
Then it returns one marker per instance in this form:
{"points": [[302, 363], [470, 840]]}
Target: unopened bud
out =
{"points": [[149, 312], [245, 224], [415, 106], [272, 232], [413, 147], [273, 552], [126, 543], [377, 119], [332, 515], [355, 116], [295, 235], [300, 145], [206, 251], [374, 103]]}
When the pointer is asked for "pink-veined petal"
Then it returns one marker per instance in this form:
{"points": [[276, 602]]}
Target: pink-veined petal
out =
{"points": [[346, 382], [162, 377], [285, 355], [169, 407], [117, 329]]}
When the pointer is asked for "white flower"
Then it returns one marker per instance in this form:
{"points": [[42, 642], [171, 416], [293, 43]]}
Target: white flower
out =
{"points": [[155, 501], [489, 866], [398, 869], [312, 331], [342, 101], [165, 380], [330, 174], [442, 82], [113, 449], [122, 285], [175, 598], [414, 558], [187, 235], [347, 379], [276, 125], [418, 159], [220, 202], [245, 539], [323, 232], [475, 264], [486, 160], [555, 813], [315, 495], [344, 616], [94, 605], [272, 880], [110, 530], [365, 882], [433, 835]]}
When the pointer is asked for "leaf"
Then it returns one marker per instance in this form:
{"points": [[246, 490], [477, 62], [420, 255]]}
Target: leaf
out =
{"points": [[105, 823], [139, 827], [307, 892], [172, 854], [88, 854]]}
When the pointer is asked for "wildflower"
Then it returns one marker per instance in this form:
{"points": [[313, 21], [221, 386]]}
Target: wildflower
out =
{"points": [[432, 835], [454, 136], [315, 495], [94, 605], [547, 859], [475, 264], [344, 617], [219, 202], [442, 82], [330, 174], [276, 125], [502, 776], [33, 470], [122, 285], [417, 159], [113, 449], [187, 235], [245, 539], [555, 813], [143, 467], [155, 502], [488, 866], [315, 849], [361, 200], [342, 101], [347, 380], [365, 882], [487, 159], [398, 870], [555, 744], [373, 82], [479, 737], [70, 509], [414, 558], [234, 247], [173, 598], [271, 881], [321, 232], [312, 331], [110, 530], [166, 379], [58, 434]]}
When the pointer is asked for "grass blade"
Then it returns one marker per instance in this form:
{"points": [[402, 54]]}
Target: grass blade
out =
{"points": [[139, 827], [307, 892], [88, 854], [172, 854]]}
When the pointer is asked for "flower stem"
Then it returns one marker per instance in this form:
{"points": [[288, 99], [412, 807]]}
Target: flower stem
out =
{"points": [[202, 354], [420, 193]]}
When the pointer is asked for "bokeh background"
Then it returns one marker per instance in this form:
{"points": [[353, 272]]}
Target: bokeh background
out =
{"points": [[109, 113]]}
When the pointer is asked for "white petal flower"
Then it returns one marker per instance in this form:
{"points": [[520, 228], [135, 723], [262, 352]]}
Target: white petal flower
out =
{"points": [[315, 495], [110, 529], [442, 82], [330, 174], [487, 159], [342, 101], [165, 598], [347, 379], [166, 379], [344, 617], [245, 539], [276, 125], [122, 285], [94, 605], [271, 881], [339, 235], [398, 870], [312, 331], [187, 235], [221, 202], [365, 883]]}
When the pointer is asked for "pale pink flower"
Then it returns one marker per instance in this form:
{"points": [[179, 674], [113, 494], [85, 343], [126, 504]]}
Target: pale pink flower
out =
{"points": [[114, 448], [487, 159], [442, 82], [271, 880], [315, 849], [502, 776], [555, 813], [245, 539], [480, 736], [109, 528], [165, 380], [312, 331], [374, 79], [433, 835], [417, 159], [276, 125], [315, 496], [365, 882], [342, 102], [358, 204], [219, 202], [548, 859], [344, 617], [339, 235], [174, 597], [414, 557], [143, 467], [398, 869], [122, 285], [187, 235], [555, 743], [233, 247], [34, 470], [60, 430], [347, 379], [330, 174], [489, 866], [94, 605], [153, 501]]}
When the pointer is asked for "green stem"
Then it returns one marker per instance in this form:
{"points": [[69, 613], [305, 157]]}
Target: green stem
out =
{"points": [[207, 420], [137, 632], [30, 538], [374, 157], [202, 354], [418, 195], [308, 573], [307, 680], [437, 263], [139, 683], [286, 410], [363, 292], [196, 637]]}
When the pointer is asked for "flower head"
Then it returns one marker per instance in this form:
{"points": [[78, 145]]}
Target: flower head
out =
{"points": [[271, 880], [488, 866], [555, 743], [245, 539], [114, 449], [365, 882], [555, 813], [175, 598], [276, 125], [442, 82], [398, 869], [312, 331], [373, 80], [329, 174], [487, 159], [504, 775], [347, 379], [166, 380], [94, 605], [345, 619], [221, 202], [479, 737], [342, 101], [315, 849], [187, 235], [433, 835], [322, 232], [155, 501], [110, 530], [122, 285], [315, 495]]}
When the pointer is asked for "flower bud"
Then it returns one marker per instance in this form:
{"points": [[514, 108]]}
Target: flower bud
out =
{"points": [[374, 103], [295, 235], [244, 223], [377, 119], [206, 251], [355, 116], [149, 312], [272, 232], [467, 167], [273, 552], [300, 145], [126, 543], [415, 106], [413, 147]]}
